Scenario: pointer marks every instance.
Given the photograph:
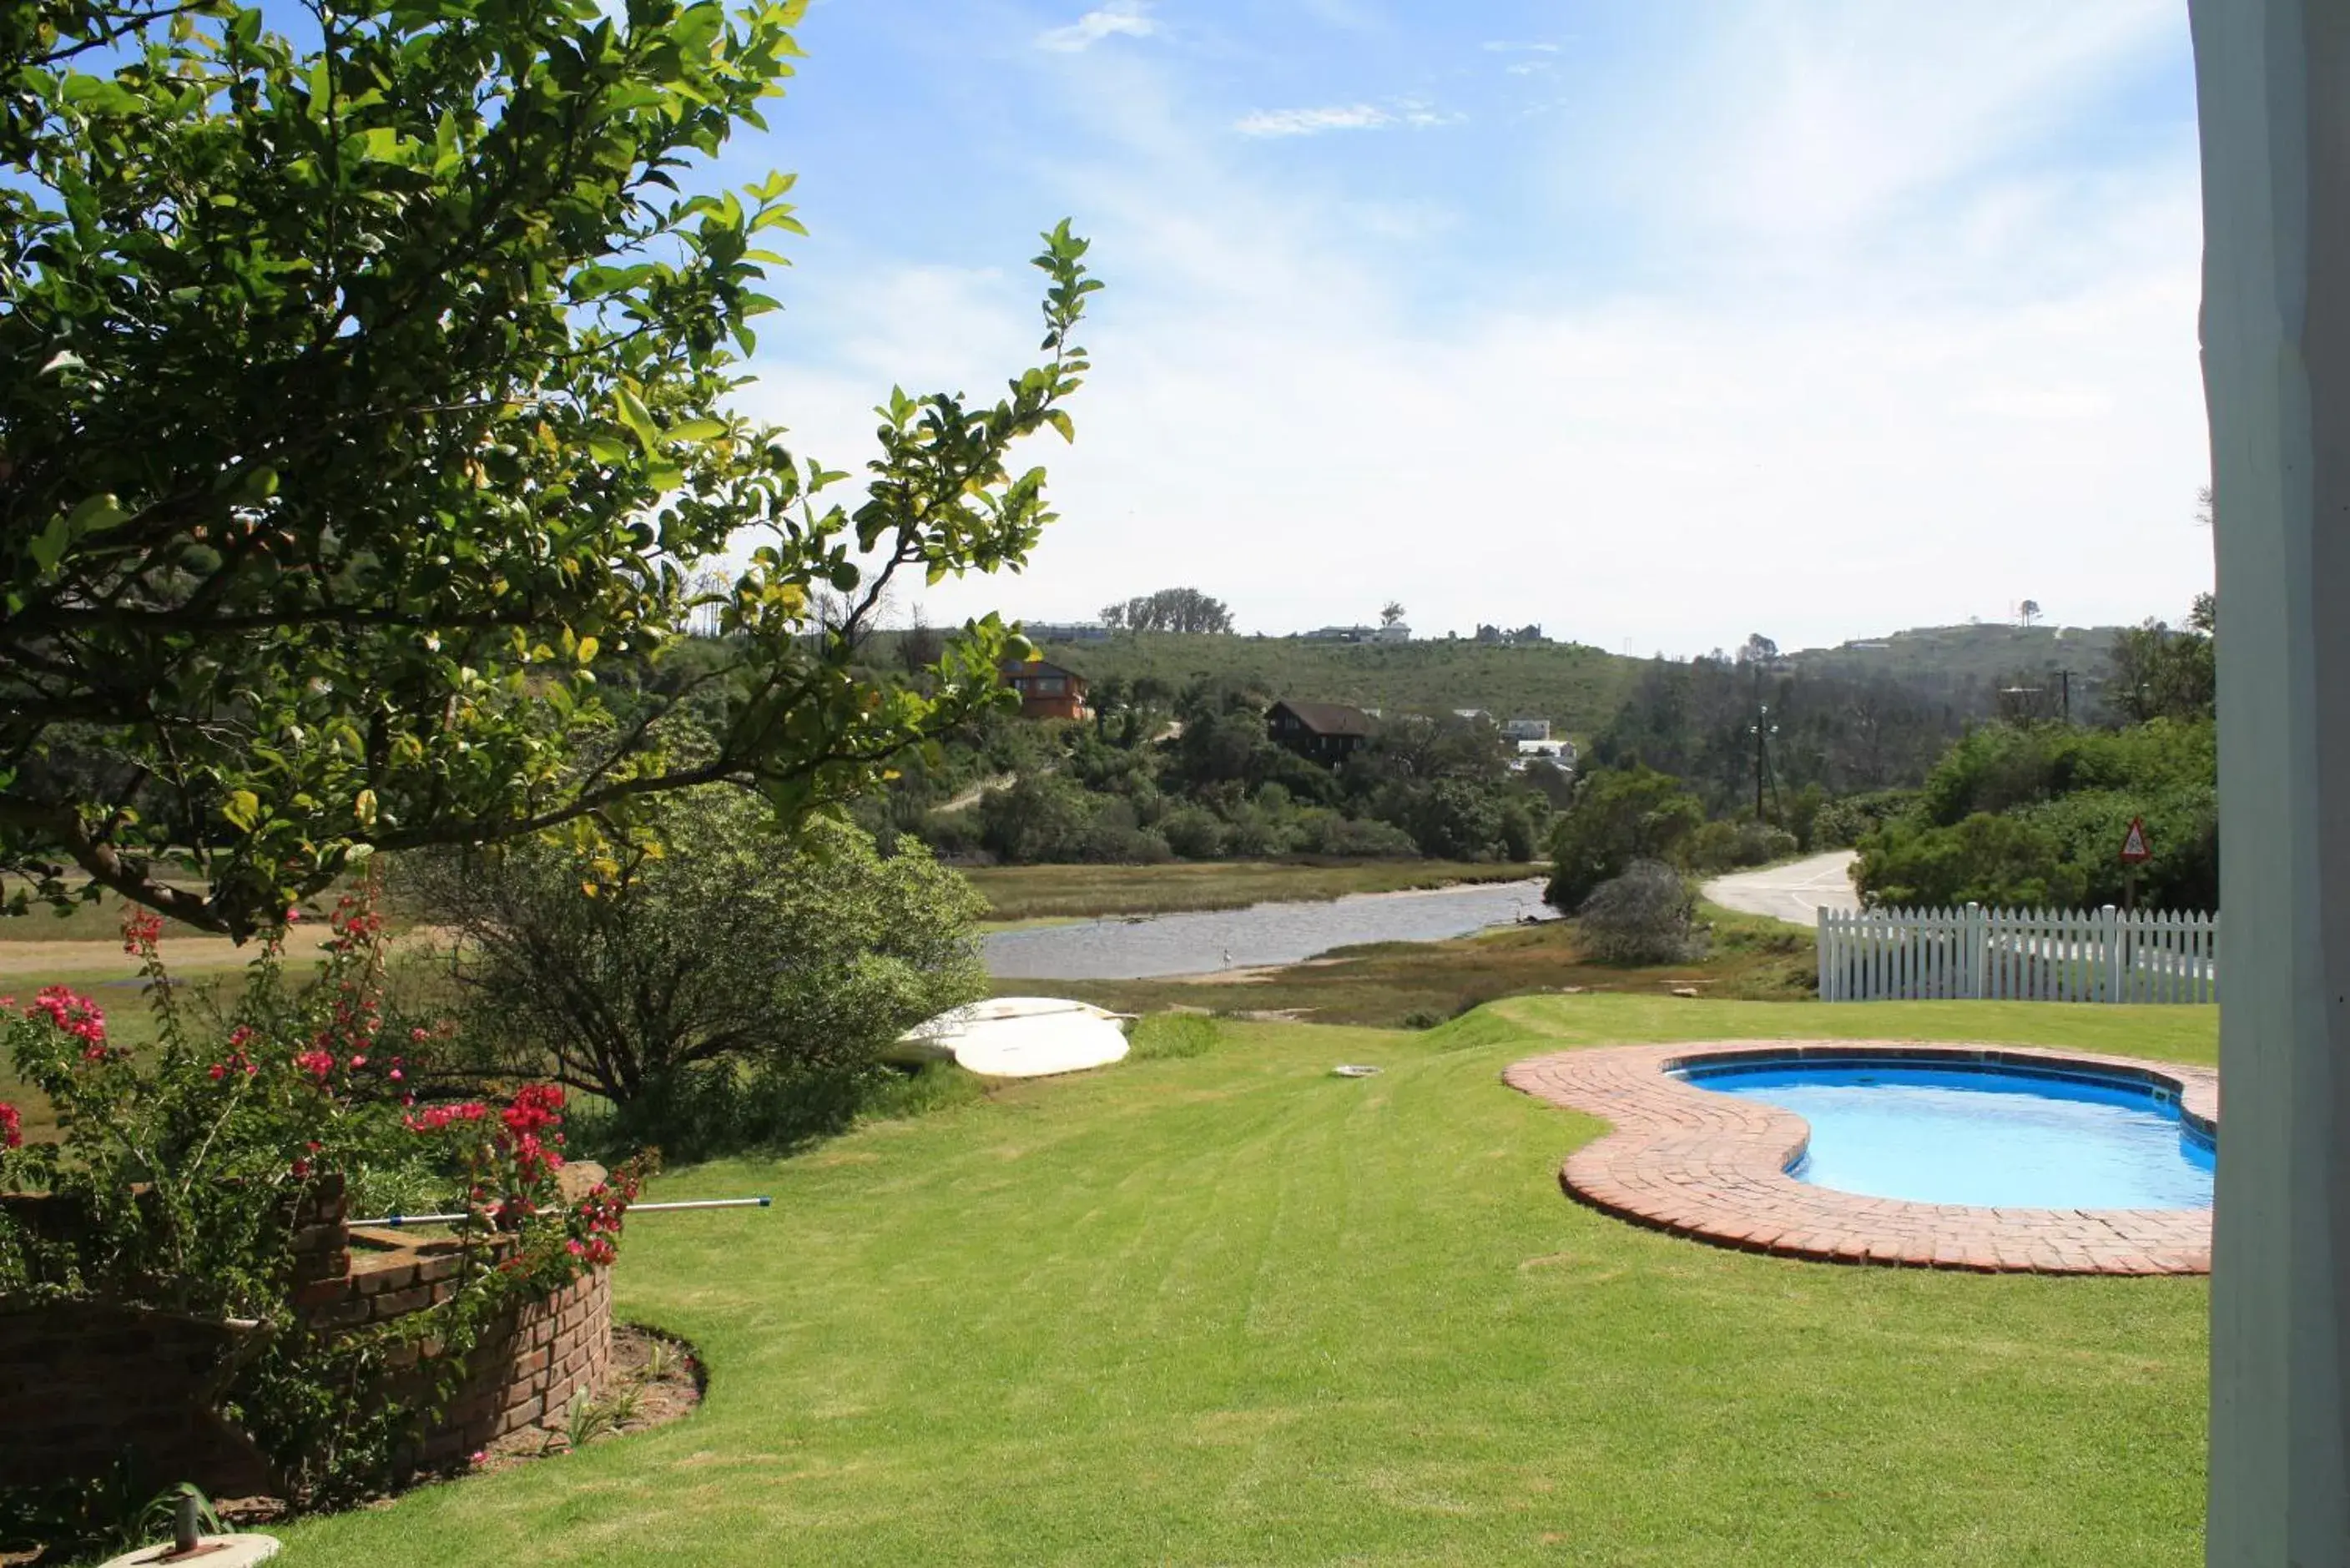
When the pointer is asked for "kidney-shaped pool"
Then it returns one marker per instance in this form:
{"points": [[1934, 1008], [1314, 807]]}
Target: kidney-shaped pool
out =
{"points": [[1995, 1133]]}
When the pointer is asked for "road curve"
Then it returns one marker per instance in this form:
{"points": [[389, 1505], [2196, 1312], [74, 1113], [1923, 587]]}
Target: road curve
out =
{"points": [[1795, 893]]}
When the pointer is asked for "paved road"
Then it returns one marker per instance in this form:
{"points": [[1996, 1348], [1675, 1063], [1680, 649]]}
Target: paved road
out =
{"points": [[1793, 892]]}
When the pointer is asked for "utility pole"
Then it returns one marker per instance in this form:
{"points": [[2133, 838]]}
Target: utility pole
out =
{"points": [[1763, 729]]}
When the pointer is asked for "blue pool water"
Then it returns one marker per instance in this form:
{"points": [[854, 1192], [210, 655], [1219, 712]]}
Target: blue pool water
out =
{"points": [[1988, 1135]]}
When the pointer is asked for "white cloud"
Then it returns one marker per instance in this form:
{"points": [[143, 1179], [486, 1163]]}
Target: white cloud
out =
{"points": [[1502, 47], [1311, 122], [1130, 17], [1528, 67], [1418, 113]]}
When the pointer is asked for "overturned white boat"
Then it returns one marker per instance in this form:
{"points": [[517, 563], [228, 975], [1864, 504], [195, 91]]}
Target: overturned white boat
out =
{"points": [[1019, 1037]]}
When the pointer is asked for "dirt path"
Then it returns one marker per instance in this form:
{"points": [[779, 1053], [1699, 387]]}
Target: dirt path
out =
{"points": [[96, 961]]}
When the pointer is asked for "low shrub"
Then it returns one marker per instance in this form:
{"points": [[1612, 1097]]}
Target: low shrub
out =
{"points": [[1322, 831], [1194, 832], [1646, 916], [734, 989], [1843, 821], [1164, 1035], [1728, 846], [1618, 817]]}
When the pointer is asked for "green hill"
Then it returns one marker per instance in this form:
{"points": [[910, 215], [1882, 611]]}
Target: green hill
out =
{"points": [[1960, 653], [1577, 689]]}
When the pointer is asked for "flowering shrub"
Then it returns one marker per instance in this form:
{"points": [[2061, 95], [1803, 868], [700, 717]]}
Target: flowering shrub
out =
{"points": [[178, 1178]]}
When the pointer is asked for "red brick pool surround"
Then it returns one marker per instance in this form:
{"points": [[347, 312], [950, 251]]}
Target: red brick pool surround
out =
{"points": [[1713, 1166]]}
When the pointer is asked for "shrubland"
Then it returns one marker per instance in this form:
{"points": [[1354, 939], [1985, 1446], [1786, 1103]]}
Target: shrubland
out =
{"points": [[1192, 775]]}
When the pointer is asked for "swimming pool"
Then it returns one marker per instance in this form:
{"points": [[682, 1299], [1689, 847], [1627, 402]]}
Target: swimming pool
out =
{"points": [[2004, 1135]]}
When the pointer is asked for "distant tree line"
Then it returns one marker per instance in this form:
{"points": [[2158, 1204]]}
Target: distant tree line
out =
{"points": [[1984, 799]]}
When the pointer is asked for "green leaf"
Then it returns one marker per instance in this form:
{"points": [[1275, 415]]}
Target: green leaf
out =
{"points": [[95, 514], [637, 417], [242, 809], [49, 547]]}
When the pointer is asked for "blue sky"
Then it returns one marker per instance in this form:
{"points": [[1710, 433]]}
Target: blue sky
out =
{"points": [[1658, 322]]}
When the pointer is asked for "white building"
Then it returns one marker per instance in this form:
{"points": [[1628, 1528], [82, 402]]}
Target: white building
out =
{"points": [[1558, 754]]}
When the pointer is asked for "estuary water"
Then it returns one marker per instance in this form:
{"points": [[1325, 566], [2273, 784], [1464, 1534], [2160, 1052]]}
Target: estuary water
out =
{"points": [[1277, 934]]}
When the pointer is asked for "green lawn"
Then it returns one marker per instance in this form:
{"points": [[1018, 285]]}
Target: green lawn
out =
{"points": [[1230, 1309]]}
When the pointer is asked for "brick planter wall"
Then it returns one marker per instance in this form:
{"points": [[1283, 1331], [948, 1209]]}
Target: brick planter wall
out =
{"points": [[81, 1385]]}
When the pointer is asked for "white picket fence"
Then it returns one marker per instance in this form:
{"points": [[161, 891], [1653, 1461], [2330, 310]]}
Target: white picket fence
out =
{"points": [[2019, 955]]}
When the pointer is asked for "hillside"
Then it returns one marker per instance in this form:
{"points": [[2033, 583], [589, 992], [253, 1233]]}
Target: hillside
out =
{"points": [[1577, 689], [1951, 658]]}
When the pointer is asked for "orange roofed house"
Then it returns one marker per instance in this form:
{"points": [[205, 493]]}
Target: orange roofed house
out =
{"points": [[1046, 690]]}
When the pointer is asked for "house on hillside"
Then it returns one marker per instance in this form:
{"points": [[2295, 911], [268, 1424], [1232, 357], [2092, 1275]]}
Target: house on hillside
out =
{"points": [[1321, 732], [1559, 753], [1340, 634], [1527, 730], [1046, 690]]}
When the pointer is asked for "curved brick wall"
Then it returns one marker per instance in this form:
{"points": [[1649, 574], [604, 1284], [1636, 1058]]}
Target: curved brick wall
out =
{"points": [[80, 1384]]}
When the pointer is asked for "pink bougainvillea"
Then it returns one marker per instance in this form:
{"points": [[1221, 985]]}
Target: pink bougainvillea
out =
{"points": [[76, 1014], [12, 1126], [141, 933]]}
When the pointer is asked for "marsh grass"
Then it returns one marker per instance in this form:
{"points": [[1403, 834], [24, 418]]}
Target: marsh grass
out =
{"points": [[1420, 984]]}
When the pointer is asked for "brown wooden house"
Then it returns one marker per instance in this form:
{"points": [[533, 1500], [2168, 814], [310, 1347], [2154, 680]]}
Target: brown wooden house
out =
{"points": [[1323, 732], [1046, 690]]}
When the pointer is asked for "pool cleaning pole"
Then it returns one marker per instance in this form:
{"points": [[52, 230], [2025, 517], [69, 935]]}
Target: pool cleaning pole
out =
{"points": [[397, 1220]]}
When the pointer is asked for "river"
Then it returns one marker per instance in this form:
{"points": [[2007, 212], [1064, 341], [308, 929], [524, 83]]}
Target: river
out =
{"points": [[1280, 933]]}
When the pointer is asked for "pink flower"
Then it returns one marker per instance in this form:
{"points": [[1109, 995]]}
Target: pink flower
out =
{"points": [[217, 1070], [77, 1014], [141, 932], [480, 1456], [299, 1169], [293, 914], [534, 1106], [318, 1063], [397, 1075], [12, 1125]]}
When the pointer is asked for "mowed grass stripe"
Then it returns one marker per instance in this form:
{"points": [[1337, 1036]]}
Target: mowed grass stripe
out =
{"points": [[1230, 1309]]}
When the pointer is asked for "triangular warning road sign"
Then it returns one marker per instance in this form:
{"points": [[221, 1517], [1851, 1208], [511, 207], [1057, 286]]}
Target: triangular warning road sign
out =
{"points": [[2134, 849]]}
